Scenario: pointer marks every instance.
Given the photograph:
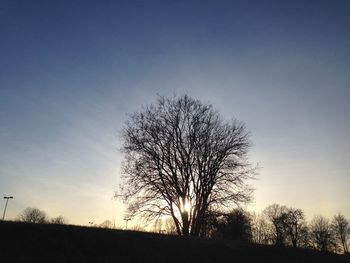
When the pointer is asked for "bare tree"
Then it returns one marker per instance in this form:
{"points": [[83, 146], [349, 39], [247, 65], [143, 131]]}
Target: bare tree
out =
{"points": [[280, 225], [33, 215], [59, 220], [261, 230], [304, 236], [295, 225], [321, 235], [106, 224], [277, 215], [181, 159], [341, 230]]}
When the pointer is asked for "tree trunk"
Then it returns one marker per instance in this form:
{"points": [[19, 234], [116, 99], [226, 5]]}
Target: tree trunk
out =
{"points": [[198, 223], [185, 224]]}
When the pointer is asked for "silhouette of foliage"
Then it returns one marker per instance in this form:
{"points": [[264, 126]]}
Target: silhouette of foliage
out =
{"points": [[210, 223], [235, 225]]}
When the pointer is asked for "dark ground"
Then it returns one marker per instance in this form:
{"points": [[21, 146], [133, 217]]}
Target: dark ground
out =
{"points": [[21, 242]]}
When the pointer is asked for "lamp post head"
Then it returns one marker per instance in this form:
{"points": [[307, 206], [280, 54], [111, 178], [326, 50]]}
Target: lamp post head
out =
{"points": [[7, 200]]}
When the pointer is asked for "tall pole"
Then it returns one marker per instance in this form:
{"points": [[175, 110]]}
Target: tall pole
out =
{"points": [[7, 200], [126, 222]]}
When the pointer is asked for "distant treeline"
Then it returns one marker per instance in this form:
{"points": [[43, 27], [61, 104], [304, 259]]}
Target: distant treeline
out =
{"points": [[276, 225], [37, 216]]}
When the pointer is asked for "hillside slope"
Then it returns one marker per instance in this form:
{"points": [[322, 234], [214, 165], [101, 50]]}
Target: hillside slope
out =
{"points": [[64, 243]]}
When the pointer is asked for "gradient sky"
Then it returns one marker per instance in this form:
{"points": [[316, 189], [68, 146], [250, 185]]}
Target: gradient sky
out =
{"points": [[71, 71]]}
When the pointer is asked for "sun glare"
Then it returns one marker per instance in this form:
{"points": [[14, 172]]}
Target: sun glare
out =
{"points": [[186, 206]]}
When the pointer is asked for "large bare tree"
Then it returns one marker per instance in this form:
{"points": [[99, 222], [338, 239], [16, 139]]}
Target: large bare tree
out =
{"points": [[182, 159]]}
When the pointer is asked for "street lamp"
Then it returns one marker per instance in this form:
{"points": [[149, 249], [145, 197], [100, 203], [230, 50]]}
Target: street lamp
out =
{"points": [[7, 200]]}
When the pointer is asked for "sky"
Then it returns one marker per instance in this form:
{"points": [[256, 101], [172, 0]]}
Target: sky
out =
{"points": [[72, 71]]}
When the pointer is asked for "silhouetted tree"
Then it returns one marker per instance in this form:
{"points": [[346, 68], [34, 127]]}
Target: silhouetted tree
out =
{"points": [[210, 223], [280, 225], [60, 220], [182, 159], [107, 224], [277, 215], [294, 225], [321, 236], [261, 230], [33, 215], [341, 230], [235, 225], [304, 236]]}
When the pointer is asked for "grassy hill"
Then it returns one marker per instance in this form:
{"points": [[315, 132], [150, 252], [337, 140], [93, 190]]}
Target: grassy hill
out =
{"points": [[23, 242]]}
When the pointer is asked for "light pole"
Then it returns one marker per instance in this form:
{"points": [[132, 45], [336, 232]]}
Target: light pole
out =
{"points": [[126, 222], [7, 200]]}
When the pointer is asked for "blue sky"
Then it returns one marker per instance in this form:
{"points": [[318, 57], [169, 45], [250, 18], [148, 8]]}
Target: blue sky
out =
{"points": [[71, 71]]}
